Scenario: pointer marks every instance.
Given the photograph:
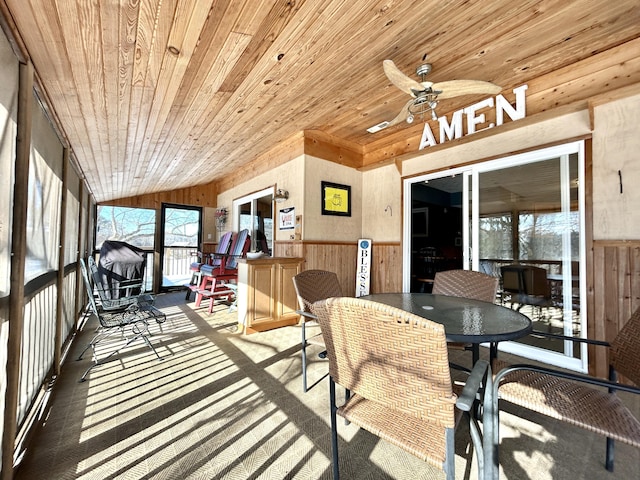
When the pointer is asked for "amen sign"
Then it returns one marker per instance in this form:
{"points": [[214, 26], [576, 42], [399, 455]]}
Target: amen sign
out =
{"points": [[472, 117]]}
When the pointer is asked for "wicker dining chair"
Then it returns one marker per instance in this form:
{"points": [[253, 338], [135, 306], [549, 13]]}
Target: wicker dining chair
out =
{"points": [[396, 366], [581, 400], [311, 286], [466, 284]]}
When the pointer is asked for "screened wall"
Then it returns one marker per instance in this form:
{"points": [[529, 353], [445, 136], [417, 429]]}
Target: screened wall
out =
{"points": [[44, 222], [8, 131]]}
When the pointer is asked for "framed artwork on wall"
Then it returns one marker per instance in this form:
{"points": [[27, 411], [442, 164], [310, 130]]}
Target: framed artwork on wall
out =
{"points": [[287, 218], [336, 199]]}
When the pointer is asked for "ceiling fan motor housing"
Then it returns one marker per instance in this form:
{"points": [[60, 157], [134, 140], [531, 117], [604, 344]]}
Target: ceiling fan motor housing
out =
{"points": [[424, 69]]}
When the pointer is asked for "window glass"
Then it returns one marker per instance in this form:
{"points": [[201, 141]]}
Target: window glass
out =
{"points": [[135, 226], [181, 227]]}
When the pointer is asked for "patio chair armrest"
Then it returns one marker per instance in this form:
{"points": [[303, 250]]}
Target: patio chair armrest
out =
{"points": [[473, 385], [308, 316], [573, 339], [130, 283], [565, 375]]}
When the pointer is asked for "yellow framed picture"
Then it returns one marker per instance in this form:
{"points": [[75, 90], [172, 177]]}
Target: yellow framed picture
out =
{"points": [[336, 199]]}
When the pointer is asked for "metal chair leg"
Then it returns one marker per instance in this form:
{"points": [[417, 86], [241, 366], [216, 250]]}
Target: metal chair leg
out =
{"points": [[334, 429], [609, 459], [304, 359]]}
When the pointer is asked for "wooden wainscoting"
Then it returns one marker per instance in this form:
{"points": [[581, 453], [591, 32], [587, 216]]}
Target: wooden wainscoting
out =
{"points": [[614, 294], [340, 257]]}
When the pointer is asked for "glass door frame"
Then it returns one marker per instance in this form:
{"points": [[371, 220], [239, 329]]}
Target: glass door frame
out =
{"points": [[162, 247], [252, 199], [470, 231]]}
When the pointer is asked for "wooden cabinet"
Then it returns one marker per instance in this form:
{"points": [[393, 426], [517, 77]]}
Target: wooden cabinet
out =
{"points": [[266, 297]]}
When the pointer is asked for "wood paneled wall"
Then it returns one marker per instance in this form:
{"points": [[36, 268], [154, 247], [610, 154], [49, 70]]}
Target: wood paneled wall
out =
{"points": [[613, 296], [340, 257], [198, 195]]}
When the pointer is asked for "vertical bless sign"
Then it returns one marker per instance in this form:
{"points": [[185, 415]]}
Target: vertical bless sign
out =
{"points": [[363, 270]]}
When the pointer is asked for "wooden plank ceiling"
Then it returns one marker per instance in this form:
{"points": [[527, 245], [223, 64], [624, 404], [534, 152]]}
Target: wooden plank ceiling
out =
{"points": [[156, 95]]}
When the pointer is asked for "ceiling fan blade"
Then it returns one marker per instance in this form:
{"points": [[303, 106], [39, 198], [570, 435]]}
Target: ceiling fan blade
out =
{"points": [[400, 80], [402, 116], [455, 88]]}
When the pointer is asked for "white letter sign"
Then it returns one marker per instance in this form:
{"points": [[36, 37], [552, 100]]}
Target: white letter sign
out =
{"points": [[476, 118]]}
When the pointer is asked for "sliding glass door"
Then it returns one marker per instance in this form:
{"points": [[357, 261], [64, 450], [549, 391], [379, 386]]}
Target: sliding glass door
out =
{"points": [[521, 219]]}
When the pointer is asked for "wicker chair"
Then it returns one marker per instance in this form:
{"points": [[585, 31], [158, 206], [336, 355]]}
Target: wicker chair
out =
{"points": [[311, 286], [572, 397], [396, 365], [466, 284]]}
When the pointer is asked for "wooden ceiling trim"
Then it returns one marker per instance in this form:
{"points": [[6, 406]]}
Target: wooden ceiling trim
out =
{"points": [[201, 195], [327, 147]]}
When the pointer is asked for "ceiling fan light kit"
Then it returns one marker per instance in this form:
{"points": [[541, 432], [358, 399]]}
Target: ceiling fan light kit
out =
{"points": [[378, 127], [425, 94]]}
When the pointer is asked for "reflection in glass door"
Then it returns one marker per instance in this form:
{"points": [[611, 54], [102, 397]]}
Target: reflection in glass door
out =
{"points": [[255, 213], [528, 218], [521, 220]]}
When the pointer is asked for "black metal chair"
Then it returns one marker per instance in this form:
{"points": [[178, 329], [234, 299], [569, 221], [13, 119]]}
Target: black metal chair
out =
{"points": [[134, 317], [111, 302]]}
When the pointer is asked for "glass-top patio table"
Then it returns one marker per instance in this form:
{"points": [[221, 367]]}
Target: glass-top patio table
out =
{"points": [[464, 320]]}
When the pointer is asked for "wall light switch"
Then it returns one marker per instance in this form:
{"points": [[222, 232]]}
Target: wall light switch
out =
{"points": [[208, 236]]}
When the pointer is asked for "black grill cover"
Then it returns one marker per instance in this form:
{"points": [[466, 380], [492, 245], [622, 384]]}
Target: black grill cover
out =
{"points": [[120, 261]]}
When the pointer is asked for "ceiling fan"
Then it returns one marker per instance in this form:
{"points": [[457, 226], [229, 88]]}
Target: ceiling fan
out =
{"points": [[425, 95]]}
